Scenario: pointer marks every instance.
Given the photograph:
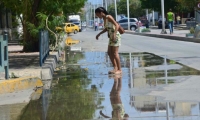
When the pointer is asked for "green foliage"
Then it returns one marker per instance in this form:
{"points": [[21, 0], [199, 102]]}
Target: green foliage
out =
{"points": [[32, 29], [156, 4], [172, 62], [32, 14], [111, 10], [187, 5], [134, 5], [192, 30], [70, 98], [146, 30], [175, 5]]}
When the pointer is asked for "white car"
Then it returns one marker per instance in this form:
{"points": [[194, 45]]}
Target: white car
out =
{"points": [[124, 23]]}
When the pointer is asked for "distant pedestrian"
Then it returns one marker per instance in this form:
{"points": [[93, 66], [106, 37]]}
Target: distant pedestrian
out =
{"points": [[96, 26], [111, 26], [178, 19], [170, 19]]}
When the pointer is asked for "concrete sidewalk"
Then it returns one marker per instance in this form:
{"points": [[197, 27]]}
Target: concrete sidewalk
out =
{"points": [[177, 35], [23, 64]]}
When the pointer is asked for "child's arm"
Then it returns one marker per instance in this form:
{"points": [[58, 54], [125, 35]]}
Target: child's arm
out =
{"points": [[101, 113], [103, 31]]}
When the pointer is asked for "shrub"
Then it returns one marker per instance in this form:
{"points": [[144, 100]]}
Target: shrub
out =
{"points": [[146, 30], [192, 30]]}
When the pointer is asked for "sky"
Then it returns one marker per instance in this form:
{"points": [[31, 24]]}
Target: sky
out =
{"points": [[95, 1]]}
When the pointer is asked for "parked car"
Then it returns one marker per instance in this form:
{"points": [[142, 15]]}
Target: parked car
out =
{"points": [[71, 28], [124, 23], [79, 25]]}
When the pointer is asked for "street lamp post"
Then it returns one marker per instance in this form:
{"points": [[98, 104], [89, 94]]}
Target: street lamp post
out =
{"points": [[115, 10], [153, 17], [94, 15], [147, 14], [163, 18], [128, 14], [106, 4]]}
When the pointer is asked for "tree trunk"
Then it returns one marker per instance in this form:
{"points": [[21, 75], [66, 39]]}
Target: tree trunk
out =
{"points": [[31, 44]]}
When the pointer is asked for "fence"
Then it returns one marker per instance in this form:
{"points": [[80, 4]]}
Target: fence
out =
{"points": [[4, 55], [43, 45]]}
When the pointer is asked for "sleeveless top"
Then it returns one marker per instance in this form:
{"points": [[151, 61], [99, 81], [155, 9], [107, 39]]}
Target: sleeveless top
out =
{"points": [[111, 29]]}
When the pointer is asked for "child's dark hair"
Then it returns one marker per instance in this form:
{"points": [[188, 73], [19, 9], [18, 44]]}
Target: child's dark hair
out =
{"points": [[101, 9]]}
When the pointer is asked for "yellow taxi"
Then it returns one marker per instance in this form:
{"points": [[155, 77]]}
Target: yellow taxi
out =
{"points": [[71, 28]]}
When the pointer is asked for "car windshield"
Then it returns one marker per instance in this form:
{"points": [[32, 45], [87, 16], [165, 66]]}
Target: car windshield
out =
{"points": [[73, 21], [76, 23]]}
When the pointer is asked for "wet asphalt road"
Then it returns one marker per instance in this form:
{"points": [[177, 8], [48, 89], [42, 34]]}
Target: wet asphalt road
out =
{"points": [[186, 53]]}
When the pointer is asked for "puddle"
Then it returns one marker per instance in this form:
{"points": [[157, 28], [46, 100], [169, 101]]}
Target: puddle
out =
{"points": [[82, 89], [69, 41]]}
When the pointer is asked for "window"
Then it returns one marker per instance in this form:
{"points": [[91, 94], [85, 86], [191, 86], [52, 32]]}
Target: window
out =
{"points": [[123, 21], [68, 25], [132, 20], [72, 25], [76, 23], [73, 20]]}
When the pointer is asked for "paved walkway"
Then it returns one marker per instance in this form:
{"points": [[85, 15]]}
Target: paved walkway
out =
{"points": [[179, 33], [22, 64]]}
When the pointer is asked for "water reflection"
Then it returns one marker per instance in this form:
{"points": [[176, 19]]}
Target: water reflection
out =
{"points": [[82, 88], [118, 110]]}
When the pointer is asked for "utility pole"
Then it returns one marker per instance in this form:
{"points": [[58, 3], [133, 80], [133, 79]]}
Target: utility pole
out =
{"points": [[147, 14], [115, 10], [128, 14], [106, 4], [153, 17], [94, 15], [163, 18]]}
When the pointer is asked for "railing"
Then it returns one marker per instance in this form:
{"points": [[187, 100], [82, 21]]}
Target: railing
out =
{"points": [[4, 55], [43, 45]]}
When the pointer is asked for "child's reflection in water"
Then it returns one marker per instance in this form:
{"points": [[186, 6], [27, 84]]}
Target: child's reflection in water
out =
{"points": [[118, 112]]}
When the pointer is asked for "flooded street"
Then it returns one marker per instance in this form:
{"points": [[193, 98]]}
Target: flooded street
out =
{"points": [[83, 90]]}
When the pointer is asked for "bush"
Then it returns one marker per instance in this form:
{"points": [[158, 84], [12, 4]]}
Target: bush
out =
{"points": [[192, 30], [146, 30]]}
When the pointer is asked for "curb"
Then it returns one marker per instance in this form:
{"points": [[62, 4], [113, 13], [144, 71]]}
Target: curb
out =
{"points": [[49, 66], [13, 85], [166, 37], [45, 72]]}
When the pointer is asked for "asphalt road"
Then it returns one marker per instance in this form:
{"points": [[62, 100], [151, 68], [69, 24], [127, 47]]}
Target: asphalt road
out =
{"points": [[186, 53]]}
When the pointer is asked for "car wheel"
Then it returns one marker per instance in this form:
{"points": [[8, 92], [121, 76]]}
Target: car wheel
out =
{"points": [[80, 30], [133, 28], [75, 31]]}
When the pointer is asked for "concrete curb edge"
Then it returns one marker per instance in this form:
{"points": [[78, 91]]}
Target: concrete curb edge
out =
{"points": [[166, 37], [13, 85]]}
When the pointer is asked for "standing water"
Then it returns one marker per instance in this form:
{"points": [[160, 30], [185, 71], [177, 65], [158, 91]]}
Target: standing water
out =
{"points": [[82, 89]]}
